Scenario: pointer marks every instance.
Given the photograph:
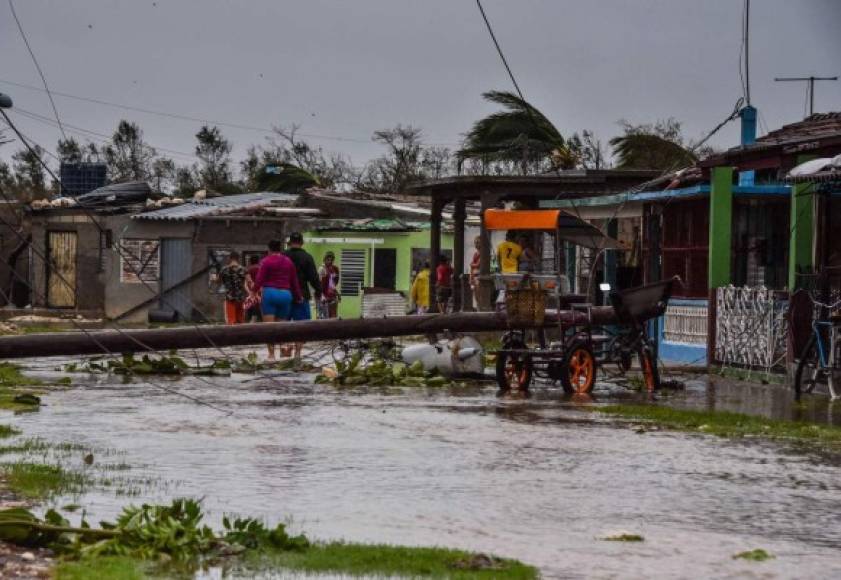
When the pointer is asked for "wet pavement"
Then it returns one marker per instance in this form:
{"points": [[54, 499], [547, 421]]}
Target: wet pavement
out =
{"points": [[539, 480]]}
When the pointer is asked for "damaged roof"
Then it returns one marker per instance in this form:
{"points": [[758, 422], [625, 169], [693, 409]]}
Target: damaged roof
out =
{"points": [[216, 206]]}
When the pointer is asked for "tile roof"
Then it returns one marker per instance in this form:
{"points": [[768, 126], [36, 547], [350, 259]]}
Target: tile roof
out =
{"points": [[813, 127], [219, 206]]}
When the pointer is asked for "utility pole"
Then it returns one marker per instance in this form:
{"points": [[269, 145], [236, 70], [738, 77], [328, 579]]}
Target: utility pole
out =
{"points": [[811, 89]]}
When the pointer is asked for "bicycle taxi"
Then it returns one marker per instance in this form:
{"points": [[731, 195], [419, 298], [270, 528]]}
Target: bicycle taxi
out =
{"points": [[556, 335]]}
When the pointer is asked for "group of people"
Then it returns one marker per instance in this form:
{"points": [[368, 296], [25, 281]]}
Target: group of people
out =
{"points": [[513, 255], [419, 292], [280, 286]]}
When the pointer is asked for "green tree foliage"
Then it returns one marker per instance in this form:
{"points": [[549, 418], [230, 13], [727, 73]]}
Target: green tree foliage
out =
{"points": [[30, 176], [652, 146], [214, 153], [186, 181], [519, 136], [163, 174], [69, 151], [129, 158]]}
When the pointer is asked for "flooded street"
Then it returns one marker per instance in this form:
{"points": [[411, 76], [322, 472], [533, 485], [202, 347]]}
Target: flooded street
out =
{"points": [[535, 480]]}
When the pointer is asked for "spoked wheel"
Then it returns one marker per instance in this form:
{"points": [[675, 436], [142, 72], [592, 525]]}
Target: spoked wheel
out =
{"points": [[650, 372], [809, 370], [580, 370], [513, 372]]}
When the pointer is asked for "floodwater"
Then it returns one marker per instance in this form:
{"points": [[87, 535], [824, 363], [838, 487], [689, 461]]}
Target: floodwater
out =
{"points": [[537, 480]]}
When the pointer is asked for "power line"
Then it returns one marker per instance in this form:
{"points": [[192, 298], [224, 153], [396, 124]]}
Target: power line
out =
{"points": [[203, 121], [499, 48], [88, 133], [38, 67]]}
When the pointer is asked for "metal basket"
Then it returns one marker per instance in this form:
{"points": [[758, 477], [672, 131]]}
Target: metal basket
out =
{"points": [[525, 306]]}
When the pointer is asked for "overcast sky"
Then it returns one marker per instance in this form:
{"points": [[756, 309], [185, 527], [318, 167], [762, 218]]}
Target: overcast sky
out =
{"points": [[343, 69]]}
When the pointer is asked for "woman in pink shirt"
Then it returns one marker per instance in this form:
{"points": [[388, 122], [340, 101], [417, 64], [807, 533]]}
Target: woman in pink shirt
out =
{"points": [[278, 280]]}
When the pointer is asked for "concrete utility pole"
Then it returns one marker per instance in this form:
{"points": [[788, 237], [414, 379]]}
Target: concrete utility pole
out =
{"points": [[811, 88]]}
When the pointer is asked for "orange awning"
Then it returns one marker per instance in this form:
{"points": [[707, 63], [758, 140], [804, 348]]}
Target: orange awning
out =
{"points": [[521, 219], [566, 225]]}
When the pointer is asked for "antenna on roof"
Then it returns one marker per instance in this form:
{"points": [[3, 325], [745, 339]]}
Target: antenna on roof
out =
{"points": [[810, 89]]}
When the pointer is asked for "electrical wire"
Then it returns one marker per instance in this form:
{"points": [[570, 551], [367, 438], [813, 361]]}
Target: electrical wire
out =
{"points": [[203, 121], [38, 67], [90, 134]]}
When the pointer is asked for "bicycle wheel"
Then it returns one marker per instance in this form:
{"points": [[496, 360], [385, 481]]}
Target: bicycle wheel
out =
{"points": [[579, 375], [513, 372], [809, 371]]}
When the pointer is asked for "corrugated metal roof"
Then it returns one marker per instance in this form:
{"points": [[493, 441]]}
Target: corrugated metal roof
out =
{"points": [[219, 206]]}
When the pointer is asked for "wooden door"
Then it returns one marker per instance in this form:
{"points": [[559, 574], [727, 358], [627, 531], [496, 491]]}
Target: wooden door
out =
{"points": [[61, 269]]}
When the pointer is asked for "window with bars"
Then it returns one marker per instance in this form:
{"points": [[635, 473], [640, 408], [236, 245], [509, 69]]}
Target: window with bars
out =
{"points": [[353, 271]]}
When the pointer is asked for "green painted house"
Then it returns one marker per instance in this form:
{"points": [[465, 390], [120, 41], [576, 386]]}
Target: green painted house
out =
{"points": [[377, 259]]}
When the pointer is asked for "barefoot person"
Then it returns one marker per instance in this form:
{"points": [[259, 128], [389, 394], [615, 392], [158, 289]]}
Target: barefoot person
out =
{"points": [[443, 283], [278, 281]]}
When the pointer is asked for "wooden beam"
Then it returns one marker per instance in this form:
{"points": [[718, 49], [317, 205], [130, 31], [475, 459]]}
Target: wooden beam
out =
{"points": [[459, 215]]}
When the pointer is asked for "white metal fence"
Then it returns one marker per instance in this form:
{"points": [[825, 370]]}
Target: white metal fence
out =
{"points": [[750, 327], [685, 324]]}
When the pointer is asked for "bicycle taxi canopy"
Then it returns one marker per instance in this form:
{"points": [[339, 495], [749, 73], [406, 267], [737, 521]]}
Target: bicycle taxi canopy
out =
{"points": [[565, 225]]}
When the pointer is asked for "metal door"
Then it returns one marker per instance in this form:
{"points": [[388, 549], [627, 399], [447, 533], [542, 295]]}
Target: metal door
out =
{"points": [[176, 261], [61, 269]]}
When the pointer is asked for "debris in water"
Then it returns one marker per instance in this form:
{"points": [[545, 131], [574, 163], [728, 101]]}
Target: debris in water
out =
{"points": [[459, 357], [478, 562], [757, 555], [624, 538]]}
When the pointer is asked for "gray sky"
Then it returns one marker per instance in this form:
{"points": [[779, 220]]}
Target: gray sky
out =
{"points": [[347, 68]]}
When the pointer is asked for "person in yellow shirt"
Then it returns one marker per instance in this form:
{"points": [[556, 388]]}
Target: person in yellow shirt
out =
{"points": [[508, 254], [419, 294]]}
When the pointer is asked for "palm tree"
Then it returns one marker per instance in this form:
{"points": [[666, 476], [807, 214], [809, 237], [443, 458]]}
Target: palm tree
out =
{"points": [[659, 146], [519, 134], [284, 178]]}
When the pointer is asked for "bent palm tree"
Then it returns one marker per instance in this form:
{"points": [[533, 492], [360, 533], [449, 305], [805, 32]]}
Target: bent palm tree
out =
{"points": [[643, 148], [520, 134]]}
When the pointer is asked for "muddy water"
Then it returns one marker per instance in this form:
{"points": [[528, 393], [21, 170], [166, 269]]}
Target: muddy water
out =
{"points": [[539, 480]]}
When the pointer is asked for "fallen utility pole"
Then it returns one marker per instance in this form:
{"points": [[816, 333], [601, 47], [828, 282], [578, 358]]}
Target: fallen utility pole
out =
{"points": [[209, 336]]}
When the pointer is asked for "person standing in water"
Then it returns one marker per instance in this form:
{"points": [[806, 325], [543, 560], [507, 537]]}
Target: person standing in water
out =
{"points": [[278, 280], [329, 275], [307, 276]]}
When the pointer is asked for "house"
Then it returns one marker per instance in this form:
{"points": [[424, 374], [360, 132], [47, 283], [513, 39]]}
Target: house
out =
{"points": [[121, 255], [377, 258], [119, 261], [731, 221]]}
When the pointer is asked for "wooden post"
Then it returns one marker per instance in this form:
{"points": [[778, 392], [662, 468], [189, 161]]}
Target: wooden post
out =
{"points": [[802, 228], [434, 248], [485, 293], [459, 215]]}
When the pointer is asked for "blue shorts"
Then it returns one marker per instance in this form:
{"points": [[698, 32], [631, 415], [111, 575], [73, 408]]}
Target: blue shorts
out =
{"points": [[301, 311], [277, 303]]}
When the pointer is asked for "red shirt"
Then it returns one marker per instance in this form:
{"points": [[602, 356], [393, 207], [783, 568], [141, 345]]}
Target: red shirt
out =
{"points": [[443, 275], [278, 271]]}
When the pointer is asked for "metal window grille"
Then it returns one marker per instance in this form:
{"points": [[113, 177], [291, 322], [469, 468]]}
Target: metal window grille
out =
{"points": [[353, 271]]}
